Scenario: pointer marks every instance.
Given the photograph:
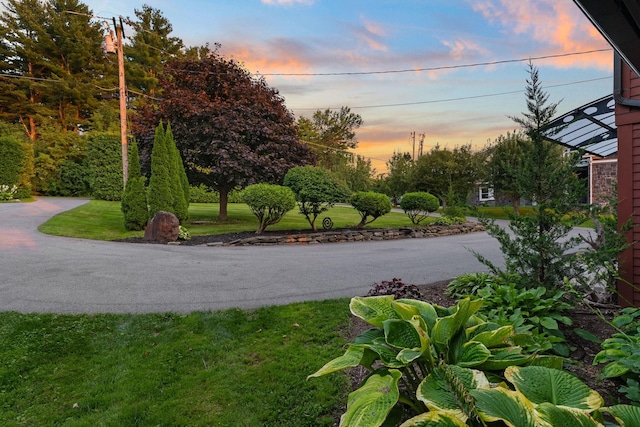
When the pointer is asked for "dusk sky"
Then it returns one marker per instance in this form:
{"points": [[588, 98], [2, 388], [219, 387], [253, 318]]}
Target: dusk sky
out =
{"points": [[445, 68]]}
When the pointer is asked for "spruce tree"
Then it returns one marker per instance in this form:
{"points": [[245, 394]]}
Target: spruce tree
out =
{"points": [[159, 193], [134, 199], [538, 245]]}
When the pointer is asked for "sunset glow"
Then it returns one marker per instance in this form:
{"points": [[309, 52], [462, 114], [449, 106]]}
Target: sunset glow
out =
{"points": [[445, 68]]}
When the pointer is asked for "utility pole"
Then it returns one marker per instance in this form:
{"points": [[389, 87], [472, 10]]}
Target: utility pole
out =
{"points": [[123, 102], [413, 140]]}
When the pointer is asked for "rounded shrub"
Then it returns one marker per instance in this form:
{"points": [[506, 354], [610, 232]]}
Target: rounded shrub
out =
{"points": [[419, 205], [370, 204], [268, 202]]}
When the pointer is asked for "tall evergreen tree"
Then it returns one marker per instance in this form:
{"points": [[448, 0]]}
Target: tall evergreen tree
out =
{"points": [[151, 46], [160, 197], [134, 199], [538, 244], [54, 52]]}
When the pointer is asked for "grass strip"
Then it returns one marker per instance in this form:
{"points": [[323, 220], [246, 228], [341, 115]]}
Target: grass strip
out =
{"points": [[232, 367]]}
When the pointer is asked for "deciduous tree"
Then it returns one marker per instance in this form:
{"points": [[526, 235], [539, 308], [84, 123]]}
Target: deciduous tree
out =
{"points": [[231, 128], [316, 190], [331, 134]]}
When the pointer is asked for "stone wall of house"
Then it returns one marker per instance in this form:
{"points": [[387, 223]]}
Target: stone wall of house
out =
{"points": [[339, 236], [604, 181]]}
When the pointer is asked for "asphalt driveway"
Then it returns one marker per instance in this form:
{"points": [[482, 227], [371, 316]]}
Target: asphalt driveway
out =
{"points": [[41, 273]]}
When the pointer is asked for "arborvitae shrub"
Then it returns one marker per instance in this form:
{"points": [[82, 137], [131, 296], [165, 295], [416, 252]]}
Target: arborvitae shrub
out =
{"points": [[104, 152], [134, 199]]}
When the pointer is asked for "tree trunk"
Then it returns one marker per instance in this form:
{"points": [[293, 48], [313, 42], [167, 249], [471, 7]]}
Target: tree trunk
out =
{"points": [[516, 206], [224, 199]]}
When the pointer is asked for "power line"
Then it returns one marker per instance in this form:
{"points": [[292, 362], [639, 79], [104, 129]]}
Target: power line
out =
{"points": [[447, 67], [463, 98]]}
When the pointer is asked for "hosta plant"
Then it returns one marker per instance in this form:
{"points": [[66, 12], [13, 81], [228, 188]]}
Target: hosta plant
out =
{"points": [[621, 352], [425, 358]]}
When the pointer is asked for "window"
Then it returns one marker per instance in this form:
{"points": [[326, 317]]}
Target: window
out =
{"points": [[485, 194]]}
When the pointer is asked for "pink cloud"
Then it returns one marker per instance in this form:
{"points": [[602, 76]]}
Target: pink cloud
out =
{"points": [[558, 26]]}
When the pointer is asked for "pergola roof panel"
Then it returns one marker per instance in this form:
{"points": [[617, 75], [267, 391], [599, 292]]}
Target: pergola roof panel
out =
{"points": [[591, 128]]}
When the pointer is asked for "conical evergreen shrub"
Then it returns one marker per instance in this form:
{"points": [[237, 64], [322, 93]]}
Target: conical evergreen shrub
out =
{"points": [[160, 196], [134, 199], [178, 178]]}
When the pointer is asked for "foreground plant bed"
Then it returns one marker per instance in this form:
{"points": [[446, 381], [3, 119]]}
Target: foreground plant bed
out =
{"points": [[579, 362]]}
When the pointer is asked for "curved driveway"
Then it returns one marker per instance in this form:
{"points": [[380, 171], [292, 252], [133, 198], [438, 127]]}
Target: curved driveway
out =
{"points": [[41, 273]]}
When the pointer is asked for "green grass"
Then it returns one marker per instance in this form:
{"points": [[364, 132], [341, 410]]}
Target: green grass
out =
{"points": [[227, 368], [100, 220]]}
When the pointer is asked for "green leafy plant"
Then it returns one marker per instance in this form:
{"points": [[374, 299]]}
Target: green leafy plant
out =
{"points": [[7, 192], [183, 233], [529, 310], [419, 205], [370, 204], [268, 202], [621, 352], [422, 357], [469, 284]]}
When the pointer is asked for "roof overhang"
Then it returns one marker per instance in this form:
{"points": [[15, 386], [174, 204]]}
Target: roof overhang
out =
{"points": [[619, 22]]}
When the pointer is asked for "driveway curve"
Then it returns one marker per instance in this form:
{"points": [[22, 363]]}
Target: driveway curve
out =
{"points": [[42, 273]]}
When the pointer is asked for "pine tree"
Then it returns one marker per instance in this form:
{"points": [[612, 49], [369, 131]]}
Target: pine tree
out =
{"points": [[134, 199], [159, 193]]}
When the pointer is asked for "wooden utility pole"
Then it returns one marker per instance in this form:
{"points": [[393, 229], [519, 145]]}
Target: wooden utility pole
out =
{"points": [[413, 140], [123, 102]]}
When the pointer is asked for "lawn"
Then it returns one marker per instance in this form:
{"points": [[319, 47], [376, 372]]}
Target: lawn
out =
{"points": [[226, 368], [101, 220]]}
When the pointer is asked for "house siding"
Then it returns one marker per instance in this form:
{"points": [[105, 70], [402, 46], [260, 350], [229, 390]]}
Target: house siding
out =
{"points": [[628, 123]]}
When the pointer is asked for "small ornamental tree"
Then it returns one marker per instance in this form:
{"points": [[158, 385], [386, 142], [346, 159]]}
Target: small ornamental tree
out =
{"points": [[160, 197], [268, 202], [419, 205], [370, 204], [134, 199], [316, 190]]}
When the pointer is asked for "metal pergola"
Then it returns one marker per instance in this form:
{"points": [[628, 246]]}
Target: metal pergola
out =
{"points": [[590, 128]]}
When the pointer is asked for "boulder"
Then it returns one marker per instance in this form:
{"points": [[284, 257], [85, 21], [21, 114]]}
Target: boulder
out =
{"points": [[163, 227]]}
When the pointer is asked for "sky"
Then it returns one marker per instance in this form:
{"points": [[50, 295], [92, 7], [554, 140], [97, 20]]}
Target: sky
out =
{"points": [[453, 70]]}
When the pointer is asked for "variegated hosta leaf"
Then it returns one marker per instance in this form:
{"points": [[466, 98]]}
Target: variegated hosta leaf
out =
{"points": [[369, 405], [352, 357], [373, 310], [501, 358], [495, 338], [473, 354], [625, 415], [558, 416], [401, 334], [540, 384], [434, 419], [424, 309], [447, 327], [509, 406], [444, 392]]}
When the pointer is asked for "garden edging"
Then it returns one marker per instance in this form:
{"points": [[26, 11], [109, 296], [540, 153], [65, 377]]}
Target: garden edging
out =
{"points": [[339, 236]]}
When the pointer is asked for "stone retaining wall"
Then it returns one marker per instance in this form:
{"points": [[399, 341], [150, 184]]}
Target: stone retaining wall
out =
{"points": [[338, 236]]}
